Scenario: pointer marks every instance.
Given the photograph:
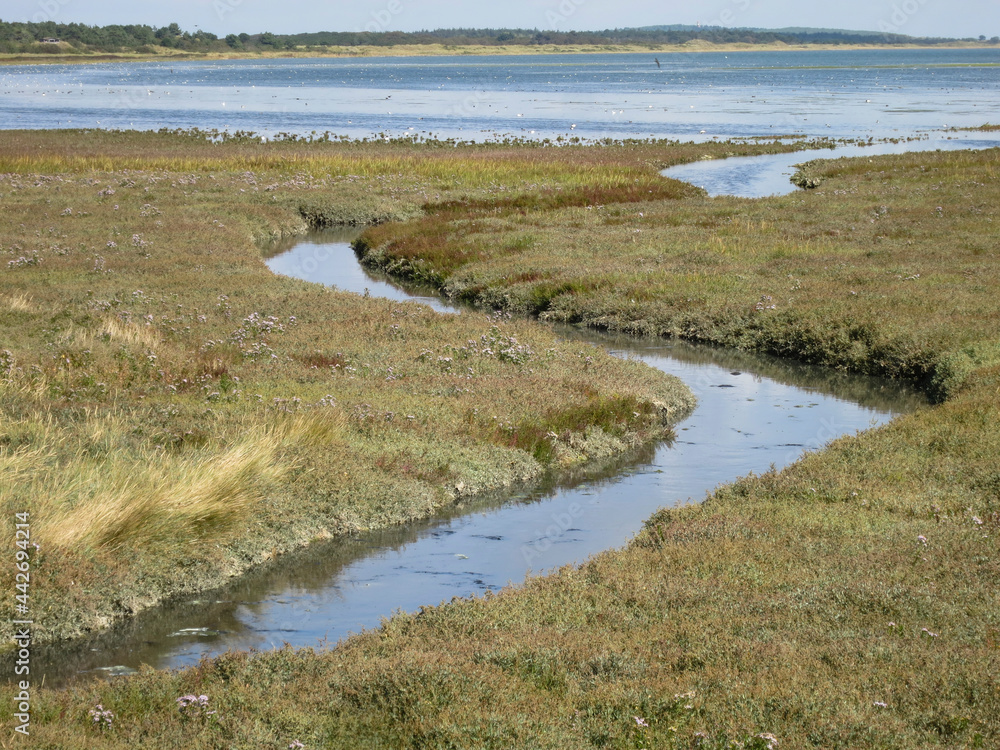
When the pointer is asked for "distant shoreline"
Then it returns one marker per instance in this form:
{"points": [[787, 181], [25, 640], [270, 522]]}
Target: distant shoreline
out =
{"points": [[441, 50]]}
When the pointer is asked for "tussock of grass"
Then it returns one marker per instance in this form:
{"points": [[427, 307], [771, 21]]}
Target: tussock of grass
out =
{"points": [[92, 498], [615, 416], [18, 302], [130, 333], [176, 501]]}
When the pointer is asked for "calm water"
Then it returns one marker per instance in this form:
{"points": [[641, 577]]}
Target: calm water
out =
{"points": [[693, 96], [770, 174], [752, 412], [326, 257]]}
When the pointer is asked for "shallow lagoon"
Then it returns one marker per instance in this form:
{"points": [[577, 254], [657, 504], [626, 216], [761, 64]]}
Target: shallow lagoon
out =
{"points": [[691, 96], [771, 174]]}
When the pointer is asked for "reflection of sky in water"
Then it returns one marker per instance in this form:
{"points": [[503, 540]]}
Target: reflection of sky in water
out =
{"points": [[750, 414], [821, 93], [745, 421], [334, 264], [759, 176]]}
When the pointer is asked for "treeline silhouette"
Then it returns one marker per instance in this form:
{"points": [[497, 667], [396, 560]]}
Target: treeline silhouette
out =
{"points": [[49, 37]]}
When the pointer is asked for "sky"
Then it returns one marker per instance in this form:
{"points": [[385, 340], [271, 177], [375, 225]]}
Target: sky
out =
{"points": [[948, 18]]}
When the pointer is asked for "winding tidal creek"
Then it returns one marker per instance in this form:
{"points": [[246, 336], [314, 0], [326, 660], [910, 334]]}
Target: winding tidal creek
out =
{"points": [[753, 413], [771, 174]]}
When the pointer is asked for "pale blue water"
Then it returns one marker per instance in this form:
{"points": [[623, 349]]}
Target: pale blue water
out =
{"points": [[770, 174], [693, 96]]}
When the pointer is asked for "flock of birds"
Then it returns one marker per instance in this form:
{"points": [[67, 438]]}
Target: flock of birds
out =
{"points": [[128, 100]]}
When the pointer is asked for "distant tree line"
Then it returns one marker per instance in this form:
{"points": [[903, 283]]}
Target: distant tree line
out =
{"points": [[75, 37], [651, 36], [29, 37]]}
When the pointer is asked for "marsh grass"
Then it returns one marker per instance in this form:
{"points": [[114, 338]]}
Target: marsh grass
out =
{"points": [[849, 601], [167, 400], [180, 502], [540, 436], [19, 302], [446, 163], [426, 250], [129, 333], [90, 492], [885, 269]]}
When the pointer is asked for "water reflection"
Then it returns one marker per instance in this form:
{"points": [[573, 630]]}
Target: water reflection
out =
{"points": [[320, 594], [870, 392], [325, 257], [753, 412], [770, 174]]}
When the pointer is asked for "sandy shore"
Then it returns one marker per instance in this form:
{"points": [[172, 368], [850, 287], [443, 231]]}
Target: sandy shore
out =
{"points": [[432, 50]]}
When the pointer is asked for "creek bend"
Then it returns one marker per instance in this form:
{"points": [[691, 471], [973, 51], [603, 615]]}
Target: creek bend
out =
{"points": [[770, 174], [753, 412]]}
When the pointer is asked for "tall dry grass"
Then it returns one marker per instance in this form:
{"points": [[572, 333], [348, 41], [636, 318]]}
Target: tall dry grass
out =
{"points": [[16, 302], [158, 499], [117, 330], [90, 497]]}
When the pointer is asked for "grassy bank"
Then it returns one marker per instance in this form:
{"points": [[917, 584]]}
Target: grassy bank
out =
{"points": [[173, 413], [886, 268], [849, 601]]}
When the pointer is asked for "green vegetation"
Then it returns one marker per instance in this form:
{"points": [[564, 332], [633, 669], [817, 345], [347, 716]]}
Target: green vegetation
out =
{"points": [[887, 272], [48, 38], [849, 601], [161, 390]]}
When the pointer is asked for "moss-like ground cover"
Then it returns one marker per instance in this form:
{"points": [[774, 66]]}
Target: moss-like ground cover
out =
{"points": [[848, 601]]}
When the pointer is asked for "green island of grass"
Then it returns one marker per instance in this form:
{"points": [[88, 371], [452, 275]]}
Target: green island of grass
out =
{"points": [[849, 601]]}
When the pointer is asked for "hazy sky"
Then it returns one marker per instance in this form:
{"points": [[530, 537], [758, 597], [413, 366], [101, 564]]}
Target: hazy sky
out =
{"points": [[952, 18]]}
